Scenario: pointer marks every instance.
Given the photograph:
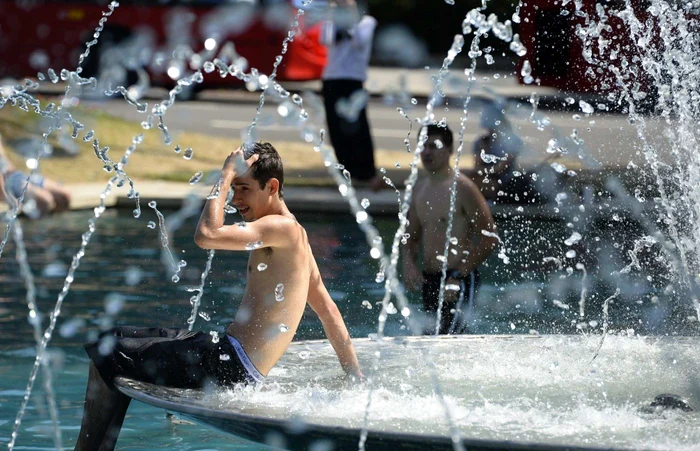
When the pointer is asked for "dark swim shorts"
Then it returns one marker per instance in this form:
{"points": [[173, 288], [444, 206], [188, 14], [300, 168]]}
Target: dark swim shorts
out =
{"points": [[453, 317], [170, 357]]}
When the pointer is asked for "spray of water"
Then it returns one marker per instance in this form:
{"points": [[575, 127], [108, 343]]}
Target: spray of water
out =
{"points": [[388, 265]]}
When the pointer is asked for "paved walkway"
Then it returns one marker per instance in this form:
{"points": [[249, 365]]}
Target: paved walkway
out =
{"points": [[381, 80]]}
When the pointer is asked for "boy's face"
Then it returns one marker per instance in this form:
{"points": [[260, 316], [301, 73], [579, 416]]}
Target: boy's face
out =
{"points": [[436, 154], [250, 200]]}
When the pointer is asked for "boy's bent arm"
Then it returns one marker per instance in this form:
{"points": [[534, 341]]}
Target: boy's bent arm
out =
{"points": [[211, 233], [333, 324]]}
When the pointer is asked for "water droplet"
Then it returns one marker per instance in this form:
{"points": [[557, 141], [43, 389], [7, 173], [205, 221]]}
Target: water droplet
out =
{"points": [[526, 72], [571, 254], [586, 107], [366, 304], [375, 253], [137, 213], [254, 245], [209, 67], [205, 316], [241, 224], [303, 355], [391, 308], [296, 98], [230, 209], [224, 357], [175, 278], [177, 149], [405, 312], [279, 295], [187, 155], [560, 168], [365, 203], [132, 276], [152, 204], [262, 266], [283, 328], [361, 216], [573, 239], [214, 336], [453, 241], [414, 101], [196, 177], [71, 327], [151, 225]]}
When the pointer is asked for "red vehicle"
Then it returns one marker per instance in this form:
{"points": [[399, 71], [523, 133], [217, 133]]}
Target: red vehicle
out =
{"points": [[556, 53], [160, 37]]}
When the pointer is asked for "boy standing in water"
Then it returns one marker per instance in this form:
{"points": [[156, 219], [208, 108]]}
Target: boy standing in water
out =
{"points": [[282, 276], [473, 235]]}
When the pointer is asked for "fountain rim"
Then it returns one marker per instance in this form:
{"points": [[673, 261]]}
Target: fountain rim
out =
{"points": [[300, 436], [255, 427]]}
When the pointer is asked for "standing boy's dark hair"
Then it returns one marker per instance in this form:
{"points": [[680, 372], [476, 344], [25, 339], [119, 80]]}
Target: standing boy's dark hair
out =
{"points": [[445, 133], [268, 166]]}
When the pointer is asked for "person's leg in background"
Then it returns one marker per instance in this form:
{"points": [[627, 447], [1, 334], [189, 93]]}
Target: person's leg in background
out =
{"points": [[351, 139]]}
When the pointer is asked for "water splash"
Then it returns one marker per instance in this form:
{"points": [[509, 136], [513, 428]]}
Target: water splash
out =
{"points": [[167, 255], [196, 300]]}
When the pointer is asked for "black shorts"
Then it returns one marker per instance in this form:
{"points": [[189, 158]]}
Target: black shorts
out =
{"points": [[169, 357], [453, 316]]}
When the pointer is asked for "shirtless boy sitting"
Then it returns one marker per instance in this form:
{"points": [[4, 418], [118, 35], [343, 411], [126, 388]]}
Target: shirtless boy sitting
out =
{"points": [[428, 218], [264, 325]]}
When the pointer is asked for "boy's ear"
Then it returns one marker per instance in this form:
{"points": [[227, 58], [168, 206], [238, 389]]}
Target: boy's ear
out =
{"points": [[274, 186]]}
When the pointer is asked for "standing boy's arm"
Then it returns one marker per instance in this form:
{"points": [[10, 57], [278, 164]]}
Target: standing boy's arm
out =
{"points": [[413, 278], [478, 211], [333, 324]]}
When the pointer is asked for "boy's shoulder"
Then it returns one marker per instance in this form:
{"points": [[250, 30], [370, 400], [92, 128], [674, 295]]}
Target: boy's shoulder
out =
{"points": [[279, 223]]}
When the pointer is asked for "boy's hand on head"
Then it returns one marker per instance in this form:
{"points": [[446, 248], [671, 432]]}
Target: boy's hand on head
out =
{"points": [[237, 165]]}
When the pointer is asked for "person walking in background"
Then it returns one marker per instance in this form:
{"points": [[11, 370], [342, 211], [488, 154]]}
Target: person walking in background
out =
{"points": [[473, 235], [348, 37], [46, 195]]}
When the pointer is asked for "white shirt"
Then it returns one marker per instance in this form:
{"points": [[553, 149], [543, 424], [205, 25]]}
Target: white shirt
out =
{"points": [[349, 58]]}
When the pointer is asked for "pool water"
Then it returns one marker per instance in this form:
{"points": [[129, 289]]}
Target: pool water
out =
{"points": [[122, 280]]}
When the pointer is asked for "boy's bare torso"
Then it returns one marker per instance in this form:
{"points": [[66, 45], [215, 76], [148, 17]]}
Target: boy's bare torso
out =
{"points": [[275, 298], [432, 207]]}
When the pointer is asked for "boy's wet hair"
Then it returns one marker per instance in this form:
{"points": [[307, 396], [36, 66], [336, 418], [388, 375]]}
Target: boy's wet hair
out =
{"points": [[445, 133], [269, 164]]}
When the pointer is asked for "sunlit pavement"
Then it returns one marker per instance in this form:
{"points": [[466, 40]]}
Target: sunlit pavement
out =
{"points": [[609, 141]]}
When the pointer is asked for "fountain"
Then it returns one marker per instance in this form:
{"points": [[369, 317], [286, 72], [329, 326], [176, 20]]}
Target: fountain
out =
{"points": [[594, 386]]}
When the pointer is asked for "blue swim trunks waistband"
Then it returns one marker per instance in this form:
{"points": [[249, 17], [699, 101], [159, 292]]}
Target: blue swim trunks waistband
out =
{"points": [[253, 372]]}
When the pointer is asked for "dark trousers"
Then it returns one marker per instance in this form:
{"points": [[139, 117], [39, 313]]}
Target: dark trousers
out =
{"points": [[351, 140], [453, 317]]}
